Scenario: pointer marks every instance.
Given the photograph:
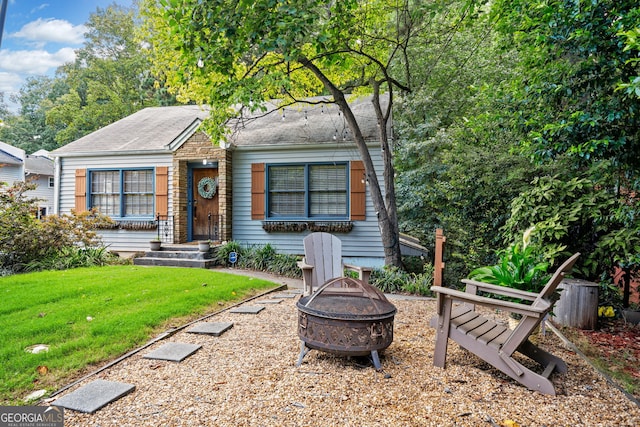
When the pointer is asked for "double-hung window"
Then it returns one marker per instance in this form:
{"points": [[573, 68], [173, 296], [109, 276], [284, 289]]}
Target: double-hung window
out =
{"points": [[311, 190], [122, 192]]}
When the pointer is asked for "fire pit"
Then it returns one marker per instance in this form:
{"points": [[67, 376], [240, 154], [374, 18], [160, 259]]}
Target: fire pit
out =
{"points": [[346, 317]]}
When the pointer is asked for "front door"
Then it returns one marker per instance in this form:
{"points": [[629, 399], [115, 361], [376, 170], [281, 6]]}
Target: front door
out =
{"points": [[205, 204]]}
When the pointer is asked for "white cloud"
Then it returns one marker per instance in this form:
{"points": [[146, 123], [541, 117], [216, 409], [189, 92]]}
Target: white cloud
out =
{"points": [[9, 83], [34, 61], [43, 31]]}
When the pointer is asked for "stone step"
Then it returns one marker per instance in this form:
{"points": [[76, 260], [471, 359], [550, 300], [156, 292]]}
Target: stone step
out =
{"points": [[179, 254], [175, 262]]}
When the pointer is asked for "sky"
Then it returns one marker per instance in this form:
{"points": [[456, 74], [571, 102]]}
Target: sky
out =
{"points": [[39, 36]]}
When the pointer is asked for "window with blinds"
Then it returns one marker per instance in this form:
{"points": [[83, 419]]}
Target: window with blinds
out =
{"points": [[122, 193], [307, 191]]}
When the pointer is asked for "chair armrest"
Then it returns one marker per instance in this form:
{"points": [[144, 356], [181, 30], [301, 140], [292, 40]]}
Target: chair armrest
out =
{"points": [[363, 272], [499, 290], [514, 307], [304, 266]]}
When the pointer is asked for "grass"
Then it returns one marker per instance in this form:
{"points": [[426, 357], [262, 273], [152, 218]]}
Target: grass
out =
{"points": [[90, 315]]}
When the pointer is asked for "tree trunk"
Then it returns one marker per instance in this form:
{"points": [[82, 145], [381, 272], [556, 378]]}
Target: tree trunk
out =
{"points": [[385, 206]]}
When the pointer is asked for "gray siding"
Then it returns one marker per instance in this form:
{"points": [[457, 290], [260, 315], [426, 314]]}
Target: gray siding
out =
{"points": [[11, 173], [116, 240], [42, 192], [362, 246]]}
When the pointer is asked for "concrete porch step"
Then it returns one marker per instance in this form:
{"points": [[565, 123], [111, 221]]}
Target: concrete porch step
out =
{"points": [[175, 262]]}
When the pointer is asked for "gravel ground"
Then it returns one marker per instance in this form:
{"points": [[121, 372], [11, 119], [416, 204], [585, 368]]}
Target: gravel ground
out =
{"points": [[248, 377]]}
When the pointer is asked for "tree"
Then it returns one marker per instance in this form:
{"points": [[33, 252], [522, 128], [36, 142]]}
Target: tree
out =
{"points": [[228, 53], [575, 97], [574, 58], [109, 78], [28, 129]]}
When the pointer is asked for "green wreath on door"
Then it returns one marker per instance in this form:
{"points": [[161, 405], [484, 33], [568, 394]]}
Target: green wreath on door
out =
{"points": [[207, 187]]}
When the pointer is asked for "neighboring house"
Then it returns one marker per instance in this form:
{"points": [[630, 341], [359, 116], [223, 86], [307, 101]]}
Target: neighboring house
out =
{"points": [[279, 177], [37, 168]]}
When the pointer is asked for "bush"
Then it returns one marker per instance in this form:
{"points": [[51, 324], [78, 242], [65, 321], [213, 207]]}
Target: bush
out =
{"points": [[390, 279], [74, 257], [259, 257], [24, 239], [266, 258]]}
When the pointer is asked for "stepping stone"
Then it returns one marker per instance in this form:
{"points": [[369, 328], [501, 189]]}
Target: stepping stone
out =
{"points": [[173, 351], [211, 328], [269, 301], [247, 309], [287, 295], [94, 396]]}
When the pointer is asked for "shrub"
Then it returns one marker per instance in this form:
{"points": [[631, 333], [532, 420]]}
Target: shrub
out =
{"points": [[223, 251], [25, 239], [520, 267], [390, 279], [74, 257], [259, 257]]}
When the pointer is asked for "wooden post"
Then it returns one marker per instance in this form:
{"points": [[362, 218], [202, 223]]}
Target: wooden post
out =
{"points": [[438, 264]]}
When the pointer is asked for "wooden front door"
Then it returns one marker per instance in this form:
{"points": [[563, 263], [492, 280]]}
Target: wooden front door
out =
{"points": [[205, 204]]}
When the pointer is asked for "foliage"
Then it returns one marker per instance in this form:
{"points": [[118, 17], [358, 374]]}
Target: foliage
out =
{"points": [[578, 215], [54, 308], [28, 129], [74, 257], [25, 239], [519, 267], [573, 60], [391, 279], [109, 78], [235, 56], [457, 169], [260, 258], [223, 251]]}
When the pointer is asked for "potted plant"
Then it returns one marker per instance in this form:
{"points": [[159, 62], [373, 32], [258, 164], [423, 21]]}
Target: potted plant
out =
{"points": [[204, 245], [155, 244]]}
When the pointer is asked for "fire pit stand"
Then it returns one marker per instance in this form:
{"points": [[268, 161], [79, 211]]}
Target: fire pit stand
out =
{"points": [[346, 317]]}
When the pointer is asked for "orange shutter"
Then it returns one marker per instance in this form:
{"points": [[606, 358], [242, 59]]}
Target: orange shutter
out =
{"points": [[162, 190], [257, 191], [81, 190], [358, 191]]}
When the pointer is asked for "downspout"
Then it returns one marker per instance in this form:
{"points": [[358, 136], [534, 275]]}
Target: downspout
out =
{"points": [[56, 185]]}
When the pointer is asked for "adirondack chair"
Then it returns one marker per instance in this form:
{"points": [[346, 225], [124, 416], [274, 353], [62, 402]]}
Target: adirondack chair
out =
{"points": [[493, 342], [323, 261]]}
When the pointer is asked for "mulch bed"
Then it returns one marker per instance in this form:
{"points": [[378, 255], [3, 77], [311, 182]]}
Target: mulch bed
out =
{"points": [[617, 343]]}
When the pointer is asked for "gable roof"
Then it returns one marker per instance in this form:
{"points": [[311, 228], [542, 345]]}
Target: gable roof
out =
{"points": [[163, 129], [152, 129]]}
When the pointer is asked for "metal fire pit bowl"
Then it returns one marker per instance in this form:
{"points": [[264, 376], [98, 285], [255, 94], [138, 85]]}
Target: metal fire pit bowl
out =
{"points": [[346, 317]]}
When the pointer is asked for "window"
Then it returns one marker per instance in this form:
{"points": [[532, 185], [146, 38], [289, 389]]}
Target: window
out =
{"points": [[122, 193], [307, 191]]}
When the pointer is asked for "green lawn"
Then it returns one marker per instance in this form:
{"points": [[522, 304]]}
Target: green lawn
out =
{"points": [[91, 315]]}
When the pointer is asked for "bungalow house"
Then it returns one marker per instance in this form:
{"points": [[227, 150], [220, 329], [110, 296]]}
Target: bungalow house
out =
{"points": [[279, 176], [16, 165]]}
